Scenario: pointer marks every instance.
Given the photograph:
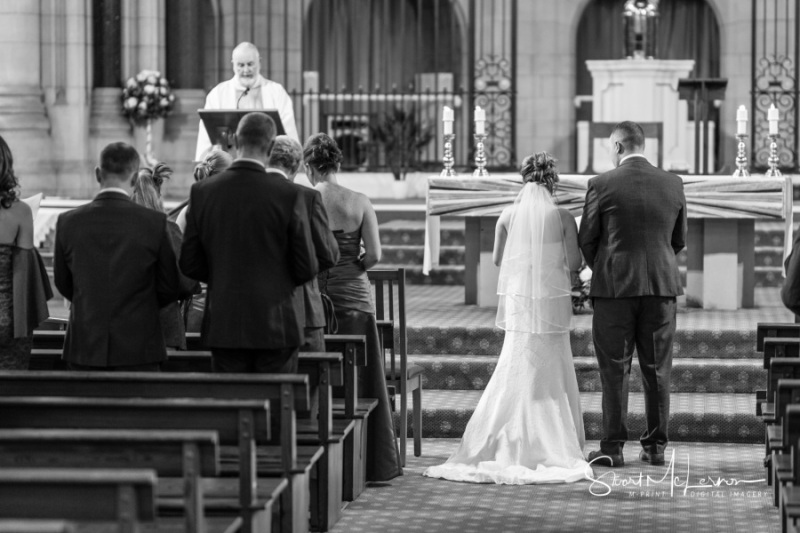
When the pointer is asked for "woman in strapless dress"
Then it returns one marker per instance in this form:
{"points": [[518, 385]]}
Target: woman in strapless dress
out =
{"points": [[16, 231], [355, 226]]}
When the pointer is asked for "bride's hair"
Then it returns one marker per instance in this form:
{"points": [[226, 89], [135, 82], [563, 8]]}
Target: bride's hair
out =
{"points": [[540, 168]]}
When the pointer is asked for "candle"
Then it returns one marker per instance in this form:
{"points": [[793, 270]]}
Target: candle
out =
{"points": [[480, 120], [772, 116], [447, 117], [741, 120]]}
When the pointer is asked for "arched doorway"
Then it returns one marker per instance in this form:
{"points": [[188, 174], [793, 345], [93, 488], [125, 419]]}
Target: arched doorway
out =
{"points": [[366, 58], [688, 29]]}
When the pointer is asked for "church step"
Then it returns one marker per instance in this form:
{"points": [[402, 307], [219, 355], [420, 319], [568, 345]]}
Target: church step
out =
{"points": [[412, 232], [413, 254], [693, 417], [472, 372], [697, 343]]}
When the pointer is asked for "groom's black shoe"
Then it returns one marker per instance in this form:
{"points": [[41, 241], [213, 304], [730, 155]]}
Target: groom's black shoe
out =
{"points": [[599, 458], [652, 458]]}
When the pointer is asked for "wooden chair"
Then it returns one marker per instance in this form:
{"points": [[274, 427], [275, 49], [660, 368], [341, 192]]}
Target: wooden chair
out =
{"points": [[406, 378], [602, 130]]}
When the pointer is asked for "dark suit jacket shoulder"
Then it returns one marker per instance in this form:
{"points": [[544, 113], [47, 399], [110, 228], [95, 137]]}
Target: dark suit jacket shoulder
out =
{"points": [[114, 261], [248, 236], [633, 224]]}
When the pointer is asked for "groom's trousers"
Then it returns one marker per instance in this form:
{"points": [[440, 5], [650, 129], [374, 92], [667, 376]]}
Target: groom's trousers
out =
{"points": [[646, 323]]}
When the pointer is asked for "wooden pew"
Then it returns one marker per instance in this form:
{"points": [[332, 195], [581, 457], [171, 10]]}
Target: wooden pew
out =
{"points": [[242, 423], [779, 368], [189, 456], [775, 329], [780, 347], [325, 370], [787, 393], [790, 493], [34, 525], [286, 393], [124, 497]]}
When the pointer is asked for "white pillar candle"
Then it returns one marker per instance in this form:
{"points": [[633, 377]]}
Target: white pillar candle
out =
{"points": [[480, 120], [447, 118], [772, 116], [741, 120]]}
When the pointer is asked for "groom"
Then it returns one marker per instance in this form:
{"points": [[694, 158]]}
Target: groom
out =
{"points": [[633, 225]]}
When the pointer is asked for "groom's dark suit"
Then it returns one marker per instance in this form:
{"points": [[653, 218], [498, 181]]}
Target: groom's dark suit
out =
{"points": [[634, 222]]}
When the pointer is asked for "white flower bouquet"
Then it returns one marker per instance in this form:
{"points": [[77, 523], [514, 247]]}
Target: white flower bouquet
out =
{"points": [[147, 96]]}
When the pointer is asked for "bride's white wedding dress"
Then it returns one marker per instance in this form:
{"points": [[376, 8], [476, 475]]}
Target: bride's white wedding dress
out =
{"points": [[528, 425]]}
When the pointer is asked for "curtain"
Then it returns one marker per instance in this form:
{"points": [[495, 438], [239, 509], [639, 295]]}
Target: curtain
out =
{"points": [[687, 29], [379, 43]]}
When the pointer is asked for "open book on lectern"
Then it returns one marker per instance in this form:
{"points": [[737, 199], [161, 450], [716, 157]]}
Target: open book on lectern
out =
{"points": [[221, 124]]}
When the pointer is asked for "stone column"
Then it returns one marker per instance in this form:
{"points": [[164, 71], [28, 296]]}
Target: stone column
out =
{"points": [[23, 121]]}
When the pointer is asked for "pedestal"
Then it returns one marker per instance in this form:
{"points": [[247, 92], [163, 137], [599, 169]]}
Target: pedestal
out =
{"points": [[480, 273], [720, 264]]}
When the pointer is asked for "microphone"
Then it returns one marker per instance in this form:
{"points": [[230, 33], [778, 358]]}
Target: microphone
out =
{"points": [[246, 90]]}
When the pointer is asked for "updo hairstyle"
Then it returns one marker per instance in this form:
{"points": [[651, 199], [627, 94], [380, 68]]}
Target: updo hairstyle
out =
{"points": [[540, 168], [322, 153], [214, 161]]}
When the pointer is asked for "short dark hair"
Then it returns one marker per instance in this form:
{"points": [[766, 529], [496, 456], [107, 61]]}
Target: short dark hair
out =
{"points": [[120, 159], [256, 130], [631, 134]]}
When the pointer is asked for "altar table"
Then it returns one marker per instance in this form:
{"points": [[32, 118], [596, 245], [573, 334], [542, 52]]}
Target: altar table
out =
{"points": [[720, 242]]}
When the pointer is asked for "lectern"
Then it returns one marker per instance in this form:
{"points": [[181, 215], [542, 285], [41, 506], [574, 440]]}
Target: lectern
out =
{"points": [[221, 124]]}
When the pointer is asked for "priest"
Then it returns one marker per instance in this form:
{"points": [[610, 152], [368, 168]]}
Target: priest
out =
{"points": [[247, 90]]}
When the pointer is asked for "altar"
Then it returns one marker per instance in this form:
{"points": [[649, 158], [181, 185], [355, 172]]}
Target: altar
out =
{"points": [[720, 243]]}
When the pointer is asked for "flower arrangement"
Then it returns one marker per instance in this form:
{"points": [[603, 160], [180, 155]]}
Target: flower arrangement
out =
{"points": [[580, 290], [147, 96]]}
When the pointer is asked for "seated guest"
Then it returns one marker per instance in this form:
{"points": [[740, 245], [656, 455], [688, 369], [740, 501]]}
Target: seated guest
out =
{"points": [[285, 159], [248, 236], [147, 193], [19, 263], [214, 161], [113, 260], [349, 289]]}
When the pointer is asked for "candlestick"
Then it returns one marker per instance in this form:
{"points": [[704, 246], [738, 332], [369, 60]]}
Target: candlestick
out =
{"points": [[773, 155], [741, 120], [448, 159], [480, 157], [773, 117], [741, 158]]}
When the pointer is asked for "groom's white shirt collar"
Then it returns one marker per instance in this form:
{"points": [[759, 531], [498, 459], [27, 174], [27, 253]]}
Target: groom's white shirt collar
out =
{"points": [[630, 156]]}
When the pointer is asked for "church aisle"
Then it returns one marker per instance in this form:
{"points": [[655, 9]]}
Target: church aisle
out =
{"points": [[414, 503]]}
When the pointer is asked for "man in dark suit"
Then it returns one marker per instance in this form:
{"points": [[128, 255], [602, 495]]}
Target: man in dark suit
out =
{"points": [[113, 260], [633, 225], [285, 159], [248, 236]]}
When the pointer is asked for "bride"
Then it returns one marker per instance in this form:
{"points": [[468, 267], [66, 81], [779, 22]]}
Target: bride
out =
{"points": [[528, 425]]}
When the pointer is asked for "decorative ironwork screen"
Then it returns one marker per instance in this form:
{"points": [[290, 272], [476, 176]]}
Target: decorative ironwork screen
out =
{"points": [[775, 72]]}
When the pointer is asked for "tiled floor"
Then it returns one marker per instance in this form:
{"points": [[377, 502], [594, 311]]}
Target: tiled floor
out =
{"points": [[740, 501]]}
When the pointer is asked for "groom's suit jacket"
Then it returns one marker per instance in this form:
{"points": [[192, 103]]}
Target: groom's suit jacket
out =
{"points": [[634, 222]]}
